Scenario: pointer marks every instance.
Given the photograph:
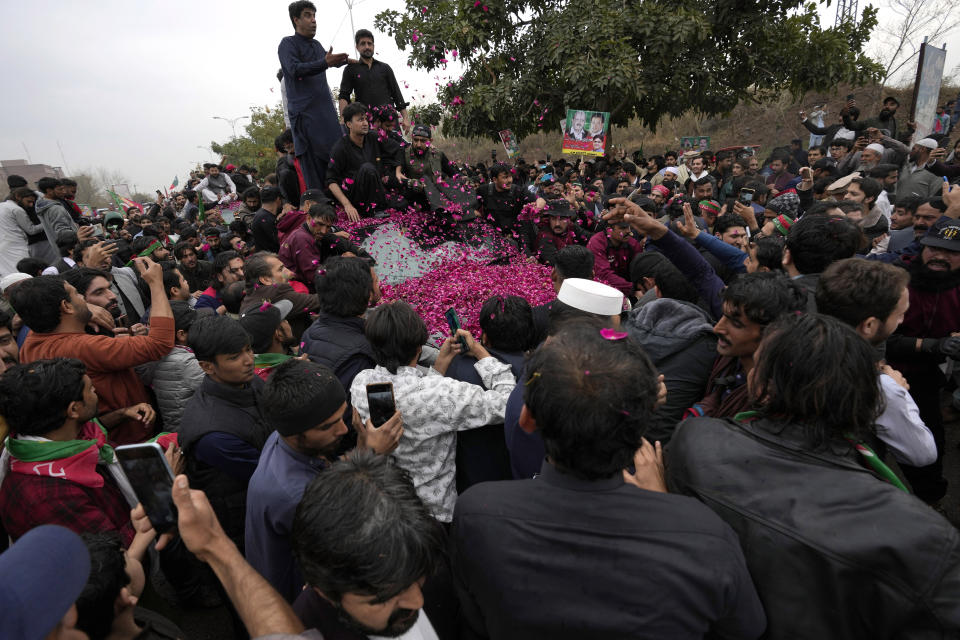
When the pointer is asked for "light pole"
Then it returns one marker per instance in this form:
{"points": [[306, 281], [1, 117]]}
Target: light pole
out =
{"points": [[231, 121]]}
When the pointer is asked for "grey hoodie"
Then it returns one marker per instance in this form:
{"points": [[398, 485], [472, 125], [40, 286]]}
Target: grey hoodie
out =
{"points": [[678, 337], [56, 223]]}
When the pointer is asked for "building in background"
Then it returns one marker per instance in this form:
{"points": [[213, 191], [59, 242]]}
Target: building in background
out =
{"points": [[30, 172]]}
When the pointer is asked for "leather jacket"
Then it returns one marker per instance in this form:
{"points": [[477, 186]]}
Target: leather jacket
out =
{"points": [[834, 551]]}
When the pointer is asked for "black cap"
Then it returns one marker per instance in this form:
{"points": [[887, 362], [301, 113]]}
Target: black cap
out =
{"points": [[945, 234], [313, 195], [422, 130], [559, 208], [262, 322]]}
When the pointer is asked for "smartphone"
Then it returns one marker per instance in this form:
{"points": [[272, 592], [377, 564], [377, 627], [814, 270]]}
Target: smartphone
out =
{"points": [[453, 321], [746, 196], [381, 402], [850, 96], [98, 229], [151, 477]]}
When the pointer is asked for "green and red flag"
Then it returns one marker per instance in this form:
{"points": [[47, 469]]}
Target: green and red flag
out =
{"points": [[124, 203], [176, 181]]}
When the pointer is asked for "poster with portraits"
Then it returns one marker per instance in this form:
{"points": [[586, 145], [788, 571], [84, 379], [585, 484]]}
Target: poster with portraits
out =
{"points": [[509, 143], [695, 143], [585, 132]]}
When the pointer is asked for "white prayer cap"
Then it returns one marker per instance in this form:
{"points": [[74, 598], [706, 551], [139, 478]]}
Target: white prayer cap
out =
{"points": [[590, 296], [878, 148], [11, 279], [929, 143], [672, 170]]}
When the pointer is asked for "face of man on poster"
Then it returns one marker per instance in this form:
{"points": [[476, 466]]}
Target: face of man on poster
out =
{"points": [[576, 129]]}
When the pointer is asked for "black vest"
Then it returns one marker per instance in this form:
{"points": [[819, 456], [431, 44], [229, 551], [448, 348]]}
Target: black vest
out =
{"points": [[218, 407]]}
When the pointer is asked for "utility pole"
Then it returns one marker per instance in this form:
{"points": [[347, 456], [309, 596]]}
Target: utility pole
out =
{"points": [[846, 11]]}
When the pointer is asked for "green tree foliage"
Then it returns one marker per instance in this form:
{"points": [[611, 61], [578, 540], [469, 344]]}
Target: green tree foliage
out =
{"points": [[429, 114], [255, 148], [527, 61]]}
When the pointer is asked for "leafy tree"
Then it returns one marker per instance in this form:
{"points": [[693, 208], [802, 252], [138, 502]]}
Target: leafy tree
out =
{"points": [[429, 114], [527, 61], [255, 148]]}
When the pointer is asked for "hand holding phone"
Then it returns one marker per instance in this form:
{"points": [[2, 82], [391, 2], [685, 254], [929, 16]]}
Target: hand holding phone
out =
{"points": [[453, 321], [381, 402], [151, 477]]}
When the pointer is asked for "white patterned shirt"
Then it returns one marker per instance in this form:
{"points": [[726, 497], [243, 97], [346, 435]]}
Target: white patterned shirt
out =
{"points": [[434, 408]]}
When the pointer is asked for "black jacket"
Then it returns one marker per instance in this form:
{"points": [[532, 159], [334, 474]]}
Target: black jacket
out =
{"points": [[834, 551], [678, 337], [217, 407]]}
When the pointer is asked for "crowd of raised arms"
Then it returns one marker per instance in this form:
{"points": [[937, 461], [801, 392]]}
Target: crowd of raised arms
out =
{"points": [[718, 412]]}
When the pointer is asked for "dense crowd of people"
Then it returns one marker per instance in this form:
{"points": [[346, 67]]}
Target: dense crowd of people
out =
{"points": [[729, 422]]}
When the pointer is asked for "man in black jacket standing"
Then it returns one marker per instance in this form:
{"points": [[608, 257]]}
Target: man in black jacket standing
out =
{"points": [[812, 504], [372, 81]]}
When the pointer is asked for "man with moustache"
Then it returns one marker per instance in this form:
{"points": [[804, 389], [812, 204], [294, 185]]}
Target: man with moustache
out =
{"points": [[559, 231], [930, 333]]}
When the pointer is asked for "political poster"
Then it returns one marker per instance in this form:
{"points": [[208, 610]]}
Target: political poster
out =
{"points": [[585, 132], [695, 143], [926, 91], [509, 143]]}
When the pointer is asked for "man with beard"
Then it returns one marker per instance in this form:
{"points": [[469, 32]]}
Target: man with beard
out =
{"points": [[371, 80], [930, 333], [884, 120], [559, 231], [306, 405], [17, 231], [216, 187], [353, 175], [916, 181], [198, 272], [313, 116], [501, 202], [150, 247], [355, 589], [94, 286], [9, 349], [613, 249], [430, 175], [57, 315]]}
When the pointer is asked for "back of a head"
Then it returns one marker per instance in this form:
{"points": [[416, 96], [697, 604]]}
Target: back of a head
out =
{"points": [[15, 182], [37, 302], [507, 323], [575, 261], [769, 252], [765, 296], [47, 183], [383, 538], [344, 286], [34, 397], [815, 373], [854, 289], [396, 333], [96, 606], [815, 241], [183, 315], [591, 398], [669, 280], [257, 266], [215, 335]]}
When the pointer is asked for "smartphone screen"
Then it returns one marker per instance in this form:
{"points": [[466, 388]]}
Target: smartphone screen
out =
{"points": [[98, 229], [152, 480], [746, 196], [381, 402]]}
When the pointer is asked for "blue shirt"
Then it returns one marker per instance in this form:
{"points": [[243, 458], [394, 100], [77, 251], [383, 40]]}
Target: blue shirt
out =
{"points": [[272, 498]]}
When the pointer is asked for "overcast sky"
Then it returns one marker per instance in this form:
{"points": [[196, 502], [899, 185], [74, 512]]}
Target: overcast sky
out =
{"points": [[133, 86]]}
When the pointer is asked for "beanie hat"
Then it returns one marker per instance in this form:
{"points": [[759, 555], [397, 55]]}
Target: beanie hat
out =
{"points": [[783, 224]]}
